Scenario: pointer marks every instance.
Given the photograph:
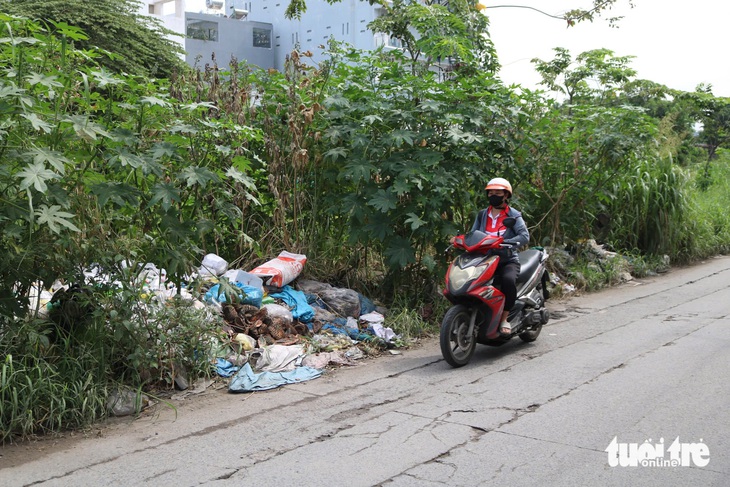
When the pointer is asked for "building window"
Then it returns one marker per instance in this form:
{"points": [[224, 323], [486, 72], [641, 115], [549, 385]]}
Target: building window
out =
{"points": [[203, 30], [261, 38]]}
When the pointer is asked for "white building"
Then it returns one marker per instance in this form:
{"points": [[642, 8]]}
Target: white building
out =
{"points": [[258, 32], [206, 29]]}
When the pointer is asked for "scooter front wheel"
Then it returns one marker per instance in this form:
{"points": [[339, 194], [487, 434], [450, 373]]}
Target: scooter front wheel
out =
{"points": [[457, 344]]}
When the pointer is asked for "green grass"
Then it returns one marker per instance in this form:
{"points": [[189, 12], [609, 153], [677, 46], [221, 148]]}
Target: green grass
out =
{"points": [[712, 219]]}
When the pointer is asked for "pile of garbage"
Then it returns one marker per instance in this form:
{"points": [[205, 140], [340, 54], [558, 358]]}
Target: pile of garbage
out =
{"points": [[282, 334], [280, 329]]}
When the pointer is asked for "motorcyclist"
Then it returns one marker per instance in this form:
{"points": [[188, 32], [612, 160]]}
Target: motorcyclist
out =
{"points": [[490, 220]]}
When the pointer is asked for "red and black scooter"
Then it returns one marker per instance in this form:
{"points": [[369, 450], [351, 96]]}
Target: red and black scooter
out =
{"points": [[478, 303]]}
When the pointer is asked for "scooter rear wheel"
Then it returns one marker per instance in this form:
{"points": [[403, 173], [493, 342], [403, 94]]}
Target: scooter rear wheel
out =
{"points": [[531, 335], [457, 344]]}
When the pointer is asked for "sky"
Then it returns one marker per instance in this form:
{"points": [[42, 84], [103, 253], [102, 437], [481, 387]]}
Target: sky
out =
{"points": [[676, 43]]}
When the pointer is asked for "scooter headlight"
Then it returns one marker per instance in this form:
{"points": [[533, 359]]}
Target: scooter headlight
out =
{"points": [[459, 277]]}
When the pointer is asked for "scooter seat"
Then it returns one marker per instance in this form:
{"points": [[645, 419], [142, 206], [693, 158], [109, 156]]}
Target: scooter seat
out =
{"points": [[529, 260]]}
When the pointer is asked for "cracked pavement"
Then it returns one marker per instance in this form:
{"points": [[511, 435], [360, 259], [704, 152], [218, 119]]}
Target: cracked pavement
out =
{"points": [[645, 360]]}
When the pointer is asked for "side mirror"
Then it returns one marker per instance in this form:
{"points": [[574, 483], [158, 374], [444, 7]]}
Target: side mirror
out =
{"points": [[509, 222]]}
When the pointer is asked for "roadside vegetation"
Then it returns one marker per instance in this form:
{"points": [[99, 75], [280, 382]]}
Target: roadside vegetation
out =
{"points": [[366, 163]]}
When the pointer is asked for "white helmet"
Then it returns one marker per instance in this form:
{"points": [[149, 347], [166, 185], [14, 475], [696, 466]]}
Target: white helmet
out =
{"points": [[500, 183]]}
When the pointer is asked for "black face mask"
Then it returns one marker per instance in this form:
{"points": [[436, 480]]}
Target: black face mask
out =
{"points": [[496, 200]]}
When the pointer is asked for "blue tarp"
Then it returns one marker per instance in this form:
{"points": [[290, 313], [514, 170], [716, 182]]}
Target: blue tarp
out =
{"points": [[225, 368], [251, 295], [246, 380], [297, 301]]}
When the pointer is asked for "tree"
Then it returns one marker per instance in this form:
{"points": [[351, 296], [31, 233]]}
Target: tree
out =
{"points": [[136, 43], [432, 32], [596, 75], [714, 115]]}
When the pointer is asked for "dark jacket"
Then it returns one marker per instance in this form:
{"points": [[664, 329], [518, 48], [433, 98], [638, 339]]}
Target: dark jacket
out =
{"points": [[517, 235]]}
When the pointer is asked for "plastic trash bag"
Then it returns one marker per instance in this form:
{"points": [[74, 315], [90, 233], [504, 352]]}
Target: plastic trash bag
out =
{"points": [[253, 295], [281, 270]]}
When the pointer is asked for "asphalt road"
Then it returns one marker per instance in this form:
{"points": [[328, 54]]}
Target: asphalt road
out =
{"points": [[644, 363]]}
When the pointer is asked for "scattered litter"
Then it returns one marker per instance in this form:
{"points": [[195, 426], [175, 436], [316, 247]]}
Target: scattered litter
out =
{"points": [[243, 342], [321, 360], [375, 321], [278, 358], [278, 311], [329, 343], [212, 265], [125, 402]]}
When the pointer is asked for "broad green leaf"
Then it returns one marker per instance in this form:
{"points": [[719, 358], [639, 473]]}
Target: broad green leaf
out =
{"points": [[36, 175], [70, 31], [458, 136], [126, 159], [399, 137], [350, 204], [183, 129], [54, 158], [151, 166], [241, 163], [153, 100], [37, 123], [359, 140], [198, 176], [15, 41], [336, 101], [383, 201], [163, 149], [85, 128], [371, 119], [240, 177], [379, 230], [10, 90], [47, 81], [223, 149], [400, 253], [164, 193], [175, 230], [335, 153], [54, 218], [125, 136], [120, 194], [56, 194], [212, 124], [194, 106], [358, 171], [415, 221], [334, 134], [401, 187], [105, 78], [429, 158]]}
